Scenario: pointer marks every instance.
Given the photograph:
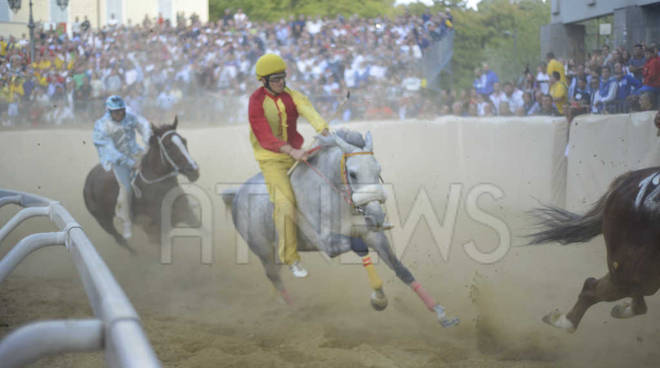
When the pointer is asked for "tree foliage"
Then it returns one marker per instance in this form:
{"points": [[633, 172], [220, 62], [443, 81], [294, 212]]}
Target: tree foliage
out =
{"points": [[503, 33], [275, 10]]}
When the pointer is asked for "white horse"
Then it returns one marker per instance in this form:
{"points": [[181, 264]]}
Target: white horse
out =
{"points": [[339, 197]]}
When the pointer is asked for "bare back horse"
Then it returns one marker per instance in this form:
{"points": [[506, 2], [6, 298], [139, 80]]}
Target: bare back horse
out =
{"points": [[167, 157], [339, 198], [627, 215]]}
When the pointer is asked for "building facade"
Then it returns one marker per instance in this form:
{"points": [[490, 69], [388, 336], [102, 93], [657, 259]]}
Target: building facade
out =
{"points": [[634, 21], [99, 12]]}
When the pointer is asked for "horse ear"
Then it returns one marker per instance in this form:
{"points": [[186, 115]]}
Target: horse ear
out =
{"points": [[368, 142], [152, 139], [176, 122]]}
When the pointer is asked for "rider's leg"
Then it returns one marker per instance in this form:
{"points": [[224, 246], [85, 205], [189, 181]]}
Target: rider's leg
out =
{"points": [[284, 213], [123, 208]]}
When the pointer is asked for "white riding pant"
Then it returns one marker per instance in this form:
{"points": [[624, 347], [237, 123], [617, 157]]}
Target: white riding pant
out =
{"points": [[123, 207]]}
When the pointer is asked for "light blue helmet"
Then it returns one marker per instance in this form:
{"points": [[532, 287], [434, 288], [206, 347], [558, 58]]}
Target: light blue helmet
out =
{"points": [[115, 103]]}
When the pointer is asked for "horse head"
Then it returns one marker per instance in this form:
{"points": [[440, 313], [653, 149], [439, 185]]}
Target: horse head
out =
{"points": [[360, 174], [174, 156]]}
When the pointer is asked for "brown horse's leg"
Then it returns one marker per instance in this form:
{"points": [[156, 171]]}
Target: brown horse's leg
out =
{"points": [[595, 291], [639, 305], [628, 309], [107, 225]]}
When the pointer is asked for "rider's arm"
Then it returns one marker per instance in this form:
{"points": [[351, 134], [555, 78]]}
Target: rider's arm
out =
{"points": [[260, 126], [106, 147], [144, 128], [306, 110]]}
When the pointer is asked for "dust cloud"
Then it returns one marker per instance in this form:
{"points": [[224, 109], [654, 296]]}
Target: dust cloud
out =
{"points": [[226, 314]]}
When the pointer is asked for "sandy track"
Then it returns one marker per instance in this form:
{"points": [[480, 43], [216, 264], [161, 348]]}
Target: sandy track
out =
{"points": [[226, 314]]}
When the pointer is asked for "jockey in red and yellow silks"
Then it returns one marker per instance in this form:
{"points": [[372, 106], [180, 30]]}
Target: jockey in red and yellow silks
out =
{"points": [[273, 113]]}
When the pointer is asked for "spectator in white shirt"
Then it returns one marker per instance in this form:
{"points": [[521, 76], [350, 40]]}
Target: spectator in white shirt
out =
{"points": [[543, 79], [513, 96], [497, 96]]}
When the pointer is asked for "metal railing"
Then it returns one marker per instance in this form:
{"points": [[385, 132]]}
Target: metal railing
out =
{"points": [[116, 327]]}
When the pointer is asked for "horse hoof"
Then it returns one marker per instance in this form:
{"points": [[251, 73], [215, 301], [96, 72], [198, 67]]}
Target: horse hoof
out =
{"points": [[623, 310], [559, 320], [449, 322], [378, 301], [443, 319]]}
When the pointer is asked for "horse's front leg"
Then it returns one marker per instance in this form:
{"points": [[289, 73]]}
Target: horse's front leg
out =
{"points": [[338, 244], [150, 221], [378, 241], [378, 297]]}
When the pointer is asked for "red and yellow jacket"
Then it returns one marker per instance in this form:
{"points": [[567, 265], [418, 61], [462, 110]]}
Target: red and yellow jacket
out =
{"points": [[273, 122]]}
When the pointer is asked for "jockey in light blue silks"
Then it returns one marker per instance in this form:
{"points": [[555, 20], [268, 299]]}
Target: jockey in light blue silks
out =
{"points": [[114, 138]]}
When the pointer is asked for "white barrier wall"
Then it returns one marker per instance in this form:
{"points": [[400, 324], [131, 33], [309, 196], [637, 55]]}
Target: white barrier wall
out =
{"points": [[524, 157], [602, 147], [521, 157]]}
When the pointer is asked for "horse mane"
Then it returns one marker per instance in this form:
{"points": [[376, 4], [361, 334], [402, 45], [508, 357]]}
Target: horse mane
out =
{"points": [[351, 137]]}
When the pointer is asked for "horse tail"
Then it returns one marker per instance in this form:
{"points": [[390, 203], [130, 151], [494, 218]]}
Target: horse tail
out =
{"points": [[567, 227], [228, 196]]}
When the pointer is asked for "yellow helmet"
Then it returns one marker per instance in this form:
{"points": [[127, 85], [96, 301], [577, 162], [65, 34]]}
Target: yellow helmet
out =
{"points": [[269, 64]]}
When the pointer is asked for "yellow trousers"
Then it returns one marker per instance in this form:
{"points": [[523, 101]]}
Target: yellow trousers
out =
{"points": [[284, 201]]}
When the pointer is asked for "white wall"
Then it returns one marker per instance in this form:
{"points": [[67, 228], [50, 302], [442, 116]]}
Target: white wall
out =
{"points": [[603, 147], [135, 10]]}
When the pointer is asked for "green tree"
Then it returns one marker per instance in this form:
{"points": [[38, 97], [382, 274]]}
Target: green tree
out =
{"points": [[502, 34], [274, 10]]}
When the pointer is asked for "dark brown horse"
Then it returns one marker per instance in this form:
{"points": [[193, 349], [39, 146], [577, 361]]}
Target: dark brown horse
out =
{"points": [[166, 158], [627, 215]]}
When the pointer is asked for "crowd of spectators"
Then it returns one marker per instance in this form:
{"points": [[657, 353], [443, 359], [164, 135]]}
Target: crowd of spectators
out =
{"points": [[164, 69], [205, 72], [608, 82]]}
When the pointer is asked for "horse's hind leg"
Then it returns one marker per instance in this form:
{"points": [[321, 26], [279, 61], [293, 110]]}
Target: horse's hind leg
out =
{"points": [[630, 309], [273, 274], [593, 291]]}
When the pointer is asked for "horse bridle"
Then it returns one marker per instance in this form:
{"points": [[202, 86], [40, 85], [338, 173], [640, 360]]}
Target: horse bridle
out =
{"points": [[347, 193], [164, 157], [346, 181]]}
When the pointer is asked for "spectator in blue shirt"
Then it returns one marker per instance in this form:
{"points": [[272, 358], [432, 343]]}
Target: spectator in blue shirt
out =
{"points": [[637, 62], [625, 84], [580, 99], [607, 91], [581, 95], [485, 82]]}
